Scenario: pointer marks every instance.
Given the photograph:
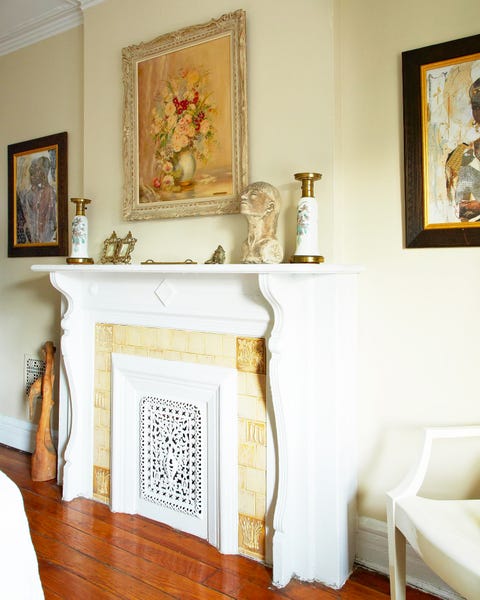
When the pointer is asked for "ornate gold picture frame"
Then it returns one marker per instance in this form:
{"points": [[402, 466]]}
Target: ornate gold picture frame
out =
{"points": [[118, 250], [185, 121]]}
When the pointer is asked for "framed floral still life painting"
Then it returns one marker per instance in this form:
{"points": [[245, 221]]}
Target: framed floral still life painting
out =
{"points": [[441, 110], [185, 121], [37, 197]]}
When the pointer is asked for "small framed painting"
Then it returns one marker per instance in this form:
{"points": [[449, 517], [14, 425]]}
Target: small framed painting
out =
{"points": [[441, 110], [37, 197]]}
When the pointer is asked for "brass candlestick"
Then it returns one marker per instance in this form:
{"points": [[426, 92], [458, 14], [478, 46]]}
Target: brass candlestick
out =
{"points": [[307, 222], [80, 234]]}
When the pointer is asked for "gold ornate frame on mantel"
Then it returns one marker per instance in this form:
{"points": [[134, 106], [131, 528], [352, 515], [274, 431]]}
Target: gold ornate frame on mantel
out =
{"points": [[185, 121]]}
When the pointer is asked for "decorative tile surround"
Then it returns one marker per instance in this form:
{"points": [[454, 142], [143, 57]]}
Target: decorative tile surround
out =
{"points": [[247, 355]]}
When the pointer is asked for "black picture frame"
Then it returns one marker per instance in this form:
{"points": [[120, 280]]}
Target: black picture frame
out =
{"points": [[424, 161], [37, 197]]}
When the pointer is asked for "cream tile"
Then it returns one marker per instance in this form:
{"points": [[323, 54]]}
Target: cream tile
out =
{"points": [[256, 481], [229, 347], [119, 335], [246, 456], [260, 506], [247, 407], [148, 338], [196, 342], [246, 502], [178, 341], [213, 344]]}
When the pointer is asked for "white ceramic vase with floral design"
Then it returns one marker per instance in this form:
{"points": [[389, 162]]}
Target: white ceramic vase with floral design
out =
{"points": [[185, 167]]}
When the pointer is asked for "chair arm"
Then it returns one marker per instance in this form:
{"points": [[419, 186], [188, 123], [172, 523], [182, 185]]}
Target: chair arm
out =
{"points": [[413, 481]]}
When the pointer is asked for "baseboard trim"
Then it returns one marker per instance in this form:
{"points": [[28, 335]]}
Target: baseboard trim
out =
{"points": [[372, 553], [17, 433], [20, 434]]}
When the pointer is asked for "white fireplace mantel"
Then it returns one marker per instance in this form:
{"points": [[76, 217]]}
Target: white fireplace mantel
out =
{"points": [[307, 314]]}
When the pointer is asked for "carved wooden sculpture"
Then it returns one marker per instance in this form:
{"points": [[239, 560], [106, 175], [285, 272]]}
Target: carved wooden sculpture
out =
{"points": [[44, 459]]}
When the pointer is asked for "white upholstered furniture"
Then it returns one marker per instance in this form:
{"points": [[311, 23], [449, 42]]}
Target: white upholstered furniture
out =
{"points": [[445, 533], [19, 578]]}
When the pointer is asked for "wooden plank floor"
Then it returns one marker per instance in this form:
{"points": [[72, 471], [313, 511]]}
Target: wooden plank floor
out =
{"points": [[86, 552]]}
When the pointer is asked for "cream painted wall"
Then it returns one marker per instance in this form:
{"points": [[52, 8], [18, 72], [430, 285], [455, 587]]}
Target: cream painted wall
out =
{"points": [[42, 93], [418, 329]]}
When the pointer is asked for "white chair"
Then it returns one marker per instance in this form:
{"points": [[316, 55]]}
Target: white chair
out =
{"points": [[445, 533], [19, 576]]}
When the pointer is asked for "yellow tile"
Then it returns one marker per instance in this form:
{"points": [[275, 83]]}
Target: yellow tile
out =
{"points": [[256, 432], [229, 348], [206, 359], [119, 335], [148, 337], [178, 341], [102, 380], [242, 383], [246, 456], [250, 354], [188, 357], [101, 482], [196, 342], [247, 407], [246, 502], [225, 361], [104, 336], [242, 478], [162, 338], [242, 430], [103, 457], [213, 344], [260, 458], [261, 412], [171, 355], [251, 535], [260, 506], [256, 480], [102, 399], [133, 336], [256, 385], [100, 437]]}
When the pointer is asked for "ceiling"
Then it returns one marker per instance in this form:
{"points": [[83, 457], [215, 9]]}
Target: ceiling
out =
{"points": [[24, 22]]}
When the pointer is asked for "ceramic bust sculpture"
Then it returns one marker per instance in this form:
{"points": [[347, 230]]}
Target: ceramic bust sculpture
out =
{"points": [[260, 203]]}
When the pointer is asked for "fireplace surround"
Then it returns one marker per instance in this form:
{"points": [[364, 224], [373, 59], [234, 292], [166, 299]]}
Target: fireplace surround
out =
{"points": [[307, 316]]}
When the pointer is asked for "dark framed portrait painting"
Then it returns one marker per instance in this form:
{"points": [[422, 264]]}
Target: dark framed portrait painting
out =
{"points": [[441, 114], [37, 197]]}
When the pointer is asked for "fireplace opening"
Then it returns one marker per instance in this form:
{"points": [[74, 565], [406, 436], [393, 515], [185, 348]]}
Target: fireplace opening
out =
{"points": [[174, 455]]}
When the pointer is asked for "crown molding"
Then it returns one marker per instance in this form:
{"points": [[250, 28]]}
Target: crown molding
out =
{"points": [[66, 16]]}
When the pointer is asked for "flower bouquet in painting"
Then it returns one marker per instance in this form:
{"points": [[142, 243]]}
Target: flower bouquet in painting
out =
{"points": [[182, 130]]}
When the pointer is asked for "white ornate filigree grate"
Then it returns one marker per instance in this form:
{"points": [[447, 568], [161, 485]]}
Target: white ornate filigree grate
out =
{"points": [[171, 448]]}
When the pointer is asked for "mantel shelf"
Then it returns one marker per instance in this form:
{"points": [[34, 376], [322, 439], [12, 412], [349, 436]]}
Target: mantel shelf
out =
{"points": [[207, 269]]}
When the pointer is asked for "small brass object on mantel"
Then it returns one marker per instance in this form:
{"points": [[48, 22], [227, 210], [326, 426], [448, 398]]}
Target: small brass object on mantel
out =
{"points": [[218, 257], [118, 250], [149, 261]]}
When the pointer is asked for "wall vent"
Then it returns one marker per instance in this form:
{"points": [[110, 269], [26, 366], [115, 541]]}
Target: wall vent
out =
{"points": [[34, 368]]}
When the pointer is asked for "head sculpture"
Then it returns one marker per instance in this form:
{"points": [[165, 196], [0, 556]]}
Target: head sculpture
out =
{"points": [[260, 203]]}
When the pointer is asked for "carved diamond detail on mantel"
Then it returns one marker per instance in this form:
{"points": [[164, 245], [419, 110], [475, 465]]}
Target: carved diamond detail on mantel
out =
{"points": [[165, 292]]}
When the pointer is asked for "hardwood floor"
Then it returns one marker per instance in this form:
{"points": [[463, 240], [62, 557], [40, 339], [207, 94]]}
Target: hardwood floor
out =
{"points": [[86, 552]]}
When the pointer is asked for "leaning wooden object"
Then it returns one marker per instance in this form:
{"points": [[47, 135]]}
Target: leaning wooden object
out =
{"points": [[44, 459]]}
